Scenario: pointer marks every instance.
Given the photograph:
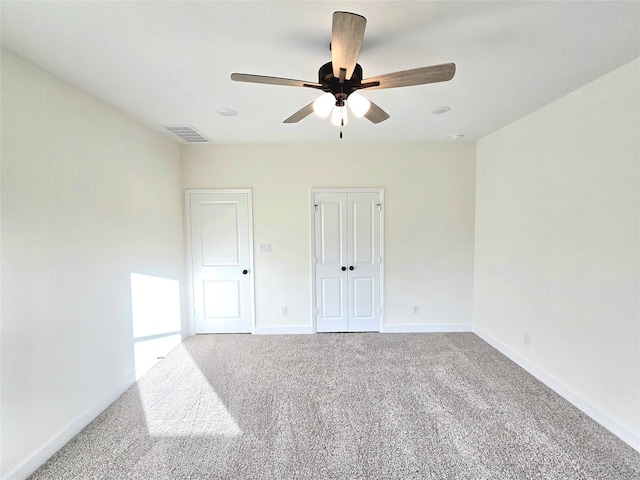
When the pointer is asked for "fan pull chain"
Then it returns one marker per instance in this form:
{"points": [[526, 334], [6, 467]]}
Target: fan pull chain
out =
{"points": [[341, 124]]}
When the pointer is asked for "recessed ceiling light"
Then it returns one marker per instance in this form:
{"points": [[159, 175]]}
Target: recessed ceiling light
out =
{"points": [[442, 109], [226, 112], [456, 136]]}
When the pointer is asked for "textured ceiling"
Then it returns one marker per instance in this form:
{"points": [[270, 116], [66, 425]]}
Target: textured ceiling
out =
{"points": [[168, 63]]}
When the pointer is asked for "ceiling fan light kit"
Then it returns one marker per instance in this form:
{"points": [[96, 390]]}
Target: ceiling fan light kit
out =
{"points": [[324, 104], [339, 116], [342, 77], [358, 104]]}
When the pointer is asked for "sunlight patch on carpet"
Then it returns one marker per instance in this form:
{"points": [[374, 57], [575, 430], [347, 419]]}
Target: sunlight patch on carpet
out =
{"points": [[180, 402]]}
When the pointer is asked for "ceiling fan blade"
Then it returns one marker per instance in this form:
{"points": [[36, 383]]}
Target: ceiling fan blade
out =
{"points": [[375, 114], [346, 40], [288, 82], [300, 114], [416, 76]]}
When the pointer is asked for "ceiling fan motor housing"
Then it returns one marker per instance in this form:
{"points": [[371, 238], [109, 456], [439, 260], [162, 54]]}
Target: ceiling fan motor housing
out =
{"points": [[340, 89]]}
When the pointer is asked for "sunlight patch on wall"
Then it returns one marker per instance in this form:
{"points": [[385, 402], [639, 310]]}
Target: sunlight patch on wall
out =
{"points": [[180, 402], [155, 308]]}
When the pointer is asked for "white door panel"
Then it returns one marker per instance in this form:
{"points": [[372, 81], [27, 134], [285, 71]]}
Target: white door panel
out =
{"points": [[332, 246], [348, 261], [333, 306], [364, 252], [331, 253], [220, 229], [363, 298], [362, 229], [221, 261], [222, 299]]}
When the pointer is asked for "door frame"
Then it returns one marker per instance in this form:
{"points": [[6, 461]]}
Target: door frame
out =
{"points": [[189, 254], [312, 211]]}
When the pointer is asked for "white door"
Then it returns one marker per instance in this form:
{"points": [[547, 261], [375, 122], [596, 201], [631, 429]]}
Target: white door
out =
{"points": [[221, 260], [348, 261]]}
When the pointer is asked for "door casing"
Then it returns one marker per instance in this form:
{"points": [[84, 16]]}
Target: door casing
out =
{"points": [[312, 213]]}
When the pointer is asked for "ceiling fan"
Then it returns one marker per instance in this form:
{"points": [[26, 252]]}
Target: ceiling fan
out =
{"points": [[341, 78]]}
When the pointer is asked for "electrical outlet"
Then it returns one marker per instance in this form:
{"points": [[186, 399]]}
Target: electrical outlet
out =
{"points": [[526, 339], [284, 311], [416, 309]]}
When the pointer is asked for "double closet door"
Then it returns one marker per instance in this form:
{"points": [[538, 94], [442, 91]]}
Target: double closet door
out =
{"points": [[348, 260]]}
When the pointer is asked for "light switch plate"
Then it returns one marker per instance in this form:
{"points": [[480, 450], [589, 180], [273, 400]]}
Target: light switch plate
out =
{"points": [[264, 248]]}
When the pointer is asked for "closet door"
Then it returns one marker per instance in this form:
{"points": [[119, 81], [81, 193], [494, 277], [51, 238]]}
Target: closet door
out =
{"points": [[331, 262], [363, 271], [347, 237]]}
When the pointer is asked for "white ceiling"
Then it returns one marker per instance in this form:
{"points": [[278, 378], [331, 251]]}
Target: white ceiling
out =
{"points": [[168, 63]]}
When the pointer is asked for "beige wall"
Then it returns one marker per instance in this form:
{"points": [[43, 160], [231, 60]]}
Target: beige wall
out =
{"points": [[428, 214], [89, 196], [556, 249]]}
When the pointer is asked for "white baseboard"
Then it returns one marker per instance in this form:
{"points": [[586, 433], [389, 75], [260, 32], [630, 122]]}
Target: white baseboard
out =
{"points": [[619, 430], [55, 443], [282, 329], [434, 327], [399, 328]]}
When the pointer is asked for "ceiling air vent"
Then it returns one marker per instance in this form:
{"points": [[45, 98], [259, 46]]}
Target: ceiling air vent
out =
{"points": [[187, 133]]}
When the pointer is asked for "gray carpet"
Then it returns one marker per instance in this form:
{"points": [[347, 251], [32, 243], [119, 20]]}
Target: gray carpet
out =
{"points": [[343, 406]]}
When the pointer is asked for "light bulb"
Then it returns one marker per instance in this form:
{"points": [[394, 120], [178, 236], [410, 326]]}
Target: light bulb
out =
{"points": [[358, 104], [339, 116], [323, 105]]}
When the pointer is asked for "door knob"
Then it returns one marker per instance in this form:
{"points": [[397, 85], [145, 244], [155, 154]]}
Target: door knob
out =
{"points": [[351, 267], [343, 268], [244, 272]]}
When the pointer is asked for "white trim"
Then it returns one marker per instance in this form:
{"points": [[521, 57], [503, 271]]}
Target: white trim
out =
{"points": [[283, 329], [431, 327], [252, 265], [191, 330], [347, 190], [191, 326], [382, 260], [55, 443], [312, 253], [619, 430]]}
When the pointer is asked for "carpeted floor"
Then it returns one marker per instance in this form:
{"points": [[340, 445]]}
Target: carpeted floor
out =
{"points": [[341, 406]]}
